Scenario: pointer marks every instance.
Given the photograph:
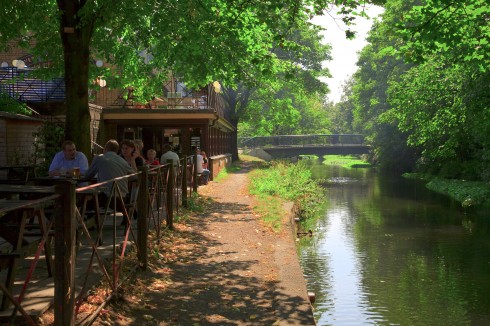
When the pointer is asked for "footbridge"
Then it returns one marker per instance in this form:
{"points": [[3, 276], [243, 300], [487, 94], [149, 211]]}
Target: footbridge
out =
{"points": [[270, 147]]}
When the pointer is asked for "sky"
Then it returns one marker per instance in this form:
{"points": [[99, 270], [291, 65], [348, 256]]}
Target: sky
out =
{"points": [[344, 52]]}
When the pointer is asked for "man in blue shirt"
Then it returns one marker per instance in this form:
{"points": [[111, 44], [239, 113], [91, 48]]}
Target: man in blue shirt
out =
{"points": [[64, 161]]}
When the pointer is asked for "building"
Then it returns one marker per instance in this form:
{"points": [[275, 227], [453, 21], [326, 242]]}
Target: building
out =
{"points": [[180, 116]]}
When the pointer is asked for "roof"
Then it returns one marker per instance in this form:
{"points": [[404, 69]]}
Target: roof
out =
{"points": [[166, 117], [16, 116]]}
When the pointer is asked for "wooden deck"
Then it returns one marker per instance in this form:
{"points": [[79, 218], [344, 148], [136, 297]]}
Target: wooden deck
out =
{"points": [[39, 295]]}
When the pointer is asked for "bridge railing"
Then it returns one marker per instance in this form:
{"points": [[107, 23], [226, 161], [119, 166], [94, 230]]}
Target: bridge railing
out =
{"points": [[301, 140]]}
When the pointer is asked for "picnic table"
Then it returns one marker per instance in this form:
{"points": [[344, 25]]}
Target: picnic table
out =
{"points": [[17, 174], [17, 217]]}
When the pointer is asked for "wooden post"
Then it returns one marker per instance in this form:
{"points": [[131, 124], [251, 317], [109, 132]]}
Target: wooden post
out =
{"points": [[194, 173], [142, 222], [170, 195], [184, 182], [65, 256]]}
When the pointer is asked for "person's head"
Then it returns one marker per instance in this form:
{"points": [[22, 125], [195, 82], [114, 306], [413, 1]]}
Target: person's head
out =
{"points": [[69, 149], [111, 146], [203, 153], [127, 148], [151, 154], [167, 147], [138, 144]]}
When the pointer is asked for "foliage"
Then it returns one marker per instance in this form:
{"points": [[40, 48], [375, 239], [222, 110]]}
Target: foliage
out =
{"points": [[8, 104], [289, 103], [368, 96], [341, 114], [468, 193], [141, 42], [346, 161], [445, 119], [458, 31], [47, 144], [291, 182]]}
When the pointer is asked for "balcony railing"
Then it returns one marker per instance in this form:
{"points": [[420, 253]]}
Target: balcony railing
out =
{"points": [[17, 84]]}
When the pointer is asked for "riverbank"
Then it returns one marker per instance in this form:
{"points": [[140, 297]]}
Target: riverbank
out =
{"points": [[468, 193], [219, 266]]}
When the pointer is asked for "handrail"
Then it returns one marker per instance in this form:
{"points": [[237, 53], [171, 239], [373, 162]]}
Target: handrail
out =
{"points": [[302, 140], [157, 195]]}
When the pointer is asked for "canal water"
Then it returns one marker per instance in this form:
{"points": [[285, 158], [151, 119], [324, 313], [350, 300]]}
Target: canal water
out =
{"points": [[390, 252]]}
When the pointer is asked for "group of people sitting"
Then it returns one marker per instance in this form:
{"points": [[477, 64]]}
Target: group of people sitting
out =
{"points": [[114, 163]]}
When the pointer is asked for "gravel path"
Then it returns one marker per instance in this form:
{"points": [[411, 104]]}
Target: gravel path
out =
{"points": [[227, 269]]}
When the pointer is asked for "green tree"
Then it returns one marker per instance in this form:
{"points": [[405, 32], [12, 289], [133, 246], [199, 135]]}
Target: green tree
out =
{"points": [[456, 30], [141, 41], [442, 102], [8, 104], [448, 120], [377, 68], [286, 102], [341, 113]]}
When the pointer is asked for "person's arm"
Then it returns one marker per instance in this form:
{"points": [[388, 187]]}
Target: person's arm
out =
{"points": [[83, 163], [133, 165], [92, 170]]}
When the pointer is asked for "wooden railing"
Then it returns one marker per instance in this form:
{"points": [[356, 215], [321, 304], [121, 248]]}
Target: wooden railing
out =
{"points": [[82, 246], [301, 140]]}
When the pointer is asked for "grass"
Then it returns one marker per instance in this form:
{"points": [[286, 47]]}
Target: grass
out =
{"points": [[346, 161], [468, 193], [224, 172], [195, 204], [279, 182]]}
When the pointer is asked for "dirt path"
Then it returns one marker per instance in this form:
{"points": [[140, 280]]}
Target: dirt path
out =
{"points": [[222, 267]]}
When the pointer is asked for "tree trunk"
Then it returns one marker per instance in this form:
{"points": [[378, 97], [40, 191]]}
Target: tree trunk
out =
{"points": [[75, 37]]}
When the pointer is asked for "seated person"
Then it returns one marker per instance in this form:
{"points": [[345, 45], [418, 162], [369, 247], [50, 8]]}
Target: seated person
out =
{"points": [[200, 169], [151, 154], [205, 160], [64, 161], [109, 166], [130, 152], [138, 146], [168, 154]]}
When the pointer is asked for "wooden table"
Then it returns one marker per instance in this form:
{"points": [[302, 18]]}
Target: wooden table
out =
{"points": [[9, 190], [84, 197], [18, 174], [14, 215]]}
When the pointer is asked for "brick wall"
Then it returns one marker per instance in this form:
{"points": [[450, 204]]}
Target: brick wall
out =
{"points": [[17, 141], [14, 53], [218, 163]]}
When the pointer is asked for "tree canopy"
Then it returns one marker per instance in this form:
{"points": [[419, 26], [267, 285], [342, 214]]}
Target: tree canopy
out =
{"points": [[421, 91], [141, 41]]}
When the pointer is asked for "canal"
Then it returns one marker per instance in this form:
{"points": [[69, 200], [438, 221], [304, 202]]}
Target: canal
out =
{"points": [[388, 251]]}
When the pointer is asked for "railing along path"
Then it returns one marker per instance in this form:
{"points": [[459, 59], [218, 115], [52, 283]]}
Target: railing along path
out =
{"points": [[92, 246], [301, 140]]}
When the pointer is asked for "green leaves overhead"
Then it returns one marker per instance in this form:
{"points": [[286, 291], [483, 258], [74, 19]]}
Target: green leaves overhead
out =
{"points": [[459, 30]]}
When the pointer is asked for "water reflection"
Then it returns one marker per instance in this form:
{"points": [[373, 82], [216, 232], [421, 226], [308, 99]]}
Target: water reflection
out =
{"points": [[389, 252]]}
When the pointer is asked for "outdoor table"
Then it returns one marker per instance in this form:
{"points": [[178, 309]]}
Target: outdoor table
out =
{"points": [[9, 190], [18, 174], [84, 196], [14, 229], [49, 181]]}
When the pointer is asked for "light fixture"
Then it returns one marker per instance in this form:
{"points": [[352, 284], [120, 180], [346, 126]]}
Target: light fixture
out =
{"points": [[217, 87], [99, 63], [20, 64]]}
